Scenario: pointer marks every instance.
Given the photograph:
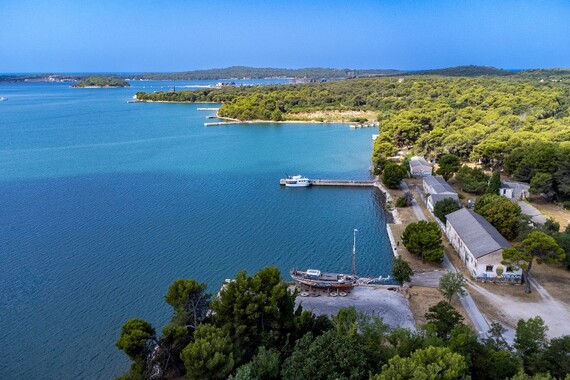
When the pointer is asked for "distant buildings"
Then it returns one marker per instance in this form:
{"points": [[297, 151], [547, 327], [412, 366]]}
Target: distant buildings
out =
{"points": [[480, 246], [437, 189], [419, 167], [305, 80], [514, 190]]}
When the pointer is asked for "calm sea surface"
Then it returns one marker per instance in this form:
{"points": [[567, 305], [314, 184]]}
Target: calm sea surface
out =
{"points": [[104, 204]]}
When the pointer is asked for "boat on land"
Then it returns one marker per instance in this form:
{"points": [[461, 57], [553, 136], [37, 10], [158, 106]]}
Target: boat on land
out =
{"points": [[314, 278], [297, 181]]}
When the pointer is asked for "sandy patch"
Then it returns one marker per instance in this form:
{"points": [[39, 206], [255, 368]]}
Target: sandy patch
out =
{"points": [[510, 310], [340, 116]]}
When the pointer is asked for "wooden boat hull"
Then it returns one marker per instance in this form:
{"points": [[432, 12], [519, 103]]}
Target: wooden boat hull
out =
{"points": [[348, 283]]}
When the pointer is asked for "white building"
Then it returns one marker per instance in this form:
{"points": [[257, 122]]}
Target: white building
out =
{"points": [[419, 167], [514, 190], [480, 247], [437, 189]]}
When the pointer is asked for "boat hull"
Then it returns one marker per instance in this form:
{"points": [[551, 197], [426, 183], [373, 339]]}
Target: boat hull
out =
{"points": [[297, 181], [297, 184], [327, 281]]}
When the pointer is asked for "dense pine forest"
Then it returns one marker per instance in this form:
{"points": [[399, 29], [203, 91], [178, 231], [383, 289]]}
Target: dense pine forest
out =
{"points": [[102, 81]]}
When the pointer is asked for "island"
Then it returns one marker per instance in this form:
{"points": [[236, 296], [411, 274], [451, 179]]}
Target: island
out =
{"points": [[101, 82]]}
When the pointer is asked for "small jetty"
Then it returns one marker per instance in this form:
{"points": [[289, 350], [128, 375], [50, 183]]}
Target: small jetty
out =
{"points": [[336, 182], [222, 123], [207, 109]]}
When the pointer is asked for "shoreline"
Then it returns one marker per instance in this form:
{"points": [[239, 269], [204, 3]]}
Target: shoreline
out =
{"points": [[99, 86], [257, 121]]}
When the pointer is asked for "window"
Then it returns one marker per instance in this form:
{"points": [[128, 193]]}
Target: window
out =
{"points": [[489, 268], [509, 269]]}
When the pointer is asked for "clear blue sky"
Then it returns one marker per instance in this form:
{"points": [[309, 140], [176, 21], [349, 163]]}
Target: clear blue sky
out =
{"points": [[176, 35]]}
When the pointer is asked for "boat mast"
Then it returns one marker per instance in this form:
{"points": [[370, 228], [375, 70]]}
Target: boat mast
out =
{"points": [[354, 253]]}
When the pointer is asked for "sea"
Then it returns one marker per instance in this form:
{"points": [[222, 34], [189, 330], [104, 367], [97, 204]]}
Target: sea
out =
{"points": [[105, 203]]}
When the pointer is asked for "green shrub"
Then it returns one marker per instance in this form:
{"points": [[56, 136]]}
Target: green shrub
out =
{"points": [[360, 120], [566, 205], [402, 202]]}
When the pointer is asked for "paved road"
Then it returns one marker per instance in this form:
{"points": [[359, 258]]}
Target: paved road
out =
{"points": [[480, 323]]}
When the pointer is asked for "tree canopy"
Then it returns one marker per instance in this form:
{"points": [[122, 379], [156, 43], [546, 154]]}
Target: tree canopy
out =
{"points": [[348, 345], [503, 214], [537, 245], [401, 270], [452, 283], [444, 207], [448, 164], [424, 238], [102, 81]]}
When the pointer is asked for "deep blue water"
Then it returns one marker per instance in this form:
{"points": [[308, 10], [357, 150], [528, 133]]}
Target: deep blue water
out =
{"points": [[104, 204]]}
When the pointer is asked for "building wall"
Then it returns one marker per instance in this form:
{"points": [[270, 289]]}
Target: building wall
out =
{"points": [[506, 193], [487, 269], [420, 171], [484, 268], [464, 253]]}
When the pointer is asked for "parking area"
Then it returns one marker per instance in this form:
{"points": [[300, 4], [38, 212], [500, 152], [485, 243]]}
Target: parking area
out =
{"points": [[391, 305]]}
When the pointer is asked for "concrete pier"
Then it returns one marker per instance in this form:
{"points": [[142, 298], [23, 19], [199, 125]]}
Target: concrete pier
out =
{"points": [[336, 182]]}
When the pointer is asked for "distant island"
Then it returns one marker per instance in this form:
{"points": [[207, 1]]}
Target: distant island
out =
{"points": [[101, 82]]}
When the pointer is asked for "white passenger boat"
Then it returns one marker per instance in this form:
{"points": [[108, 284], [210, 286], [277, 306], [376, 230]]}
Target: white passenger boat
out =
{"points": [[297, 181]]}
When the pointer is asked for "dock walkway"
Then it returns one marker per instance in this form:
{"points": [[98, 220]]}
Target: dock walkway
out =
{"points": [[336, 182]]}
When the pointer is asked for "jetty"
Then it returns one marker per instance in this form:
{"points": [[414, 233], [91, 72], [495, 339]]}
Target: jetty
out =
{"points": [[207, 109], [336, 182], [222, 123]]}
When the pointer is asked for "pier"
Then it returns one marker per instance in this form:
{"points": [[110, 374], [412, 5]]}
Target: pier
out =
{"points": [[336, 182], [207, 109], [222, 123]]}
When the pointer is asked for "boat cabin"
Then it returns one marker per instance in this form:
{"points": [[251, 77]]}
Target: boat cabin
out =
{"points": [[313, 273]]}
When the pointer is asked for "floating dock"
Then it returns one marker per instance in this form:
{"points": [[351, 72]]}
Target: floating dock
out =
{"points": [[336, 182], [207, 109]]}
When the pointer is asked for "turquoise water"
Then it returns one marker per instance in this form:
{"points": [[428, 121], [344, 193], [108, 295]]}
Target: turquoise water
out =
{"points": [[104, 204]]}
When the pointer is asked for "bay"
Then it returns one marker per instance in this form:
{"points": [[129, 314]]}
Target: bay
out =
{"points": [[106, 203]]}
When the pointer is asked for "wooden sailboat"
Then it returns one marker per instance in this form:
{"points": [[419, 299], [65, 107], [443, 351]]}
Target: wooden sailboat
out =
{"points": [[314, 278]]}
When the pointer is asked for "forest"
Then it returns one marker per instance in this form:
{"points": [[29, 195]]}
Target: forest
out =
{"points": [[102, 81], [253, 330]]}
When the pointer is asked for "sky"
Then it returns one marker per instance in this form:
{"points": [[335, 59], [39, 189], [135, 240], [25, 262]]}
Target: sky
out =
{"points": [[178, 35]]}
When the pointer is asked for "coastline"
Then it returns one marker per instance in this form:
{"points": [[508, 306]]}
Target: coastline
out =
{"points": [[257, 121], [99, 86]]}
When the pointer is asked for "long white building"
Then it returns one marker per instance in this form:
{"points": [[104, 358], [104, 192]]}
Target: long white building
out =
{"points": [[480, 246]]}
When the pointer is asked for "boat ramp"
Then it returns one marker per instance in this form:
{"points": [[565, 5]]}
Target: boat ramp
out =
{"points": [[336, 182]]}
